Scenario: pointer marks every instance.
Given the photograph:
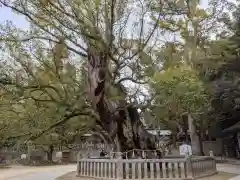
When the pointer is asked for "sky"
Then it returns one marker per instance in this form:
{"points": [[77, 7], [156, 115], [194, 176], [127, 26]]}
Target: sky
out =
{"points": [[7, 15]]}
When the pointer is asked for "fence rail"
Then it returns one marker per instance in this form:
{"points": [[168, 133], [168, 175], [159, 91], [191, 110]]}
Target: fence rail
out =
{"points": [[159, 169], [203, 166]]}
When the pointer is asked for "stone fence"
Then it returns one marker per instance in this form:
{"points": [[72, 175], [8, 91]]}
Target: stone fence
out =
{"points": [[159, 169]]}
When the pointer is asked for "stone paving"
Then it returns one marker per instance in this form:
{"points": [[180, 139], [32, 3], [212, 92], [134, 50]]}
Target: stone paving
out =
{"points": [[230, 168]]}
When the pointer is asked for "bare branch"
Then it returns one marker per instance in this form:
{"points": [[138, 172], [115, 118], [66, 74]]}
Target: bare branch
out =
{"points": [[131, 79]]}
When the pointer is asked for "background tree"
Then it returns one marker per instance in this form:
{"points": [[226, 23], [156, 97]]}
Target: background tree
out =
{"points": [[179, 91], [225, 102]]}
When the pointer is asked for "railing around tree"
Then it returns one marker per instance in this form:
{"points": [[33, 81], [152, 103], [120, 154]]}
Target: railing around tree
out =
{"points": [[75, 147], [178, 169]]}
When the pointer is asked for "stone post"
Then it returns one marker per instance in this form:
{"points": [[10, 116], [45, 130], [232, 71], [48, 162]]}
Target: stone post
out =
{"points": [[29, 150], [78, 159], [211, 153], [119, 166], [190, 173]]}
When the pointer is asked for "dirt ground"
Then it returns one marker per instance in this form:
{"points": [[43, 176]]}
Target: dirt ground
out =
{"points": [[219, 176], [71, 176], [38, 173]]}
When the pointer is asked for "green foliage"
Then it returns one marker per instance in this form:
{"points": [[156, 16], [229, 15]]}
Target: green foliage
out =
{"points": [[178, 91], [44, 98], [225, 93], [47, 93]]}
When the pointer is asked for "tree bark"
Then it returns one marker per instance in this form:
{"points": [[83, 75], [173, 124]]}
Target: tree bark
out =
{"points": [[120, 120], [185, 128], [194, 137], [200, 137], [50, 153], [174, 140]]}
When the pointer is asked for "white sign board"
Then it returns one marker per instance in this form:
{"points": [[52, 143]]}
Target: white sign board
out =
{"points": [[185, 150], [23, 156]]}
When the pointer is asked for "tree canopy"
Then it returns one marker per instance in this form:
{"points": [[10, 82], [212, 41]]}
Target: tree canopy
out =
{"points": [[94, 65]]}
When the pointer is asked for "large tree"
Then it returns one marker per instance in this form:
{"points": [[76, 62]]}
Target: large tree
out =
{"points": [[109, 42]]}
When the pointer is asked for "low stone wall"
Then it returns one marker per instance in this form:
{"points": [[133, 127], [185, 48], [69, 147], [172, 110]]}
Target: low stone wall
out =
{"points": [[178, 169]]}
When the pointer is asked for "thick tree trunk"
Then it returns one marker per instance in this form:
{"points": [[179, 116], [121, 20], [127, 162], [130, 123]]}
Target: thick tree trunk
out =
{"points": [[194, 137], [118, 119], [50, 153], [185, 128], [174, 140], [200, 137]]}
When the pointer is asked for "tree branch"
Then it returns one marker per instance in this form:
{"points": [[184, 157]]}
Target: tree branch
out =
{"points": [[65, 119], [131, 79]]}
